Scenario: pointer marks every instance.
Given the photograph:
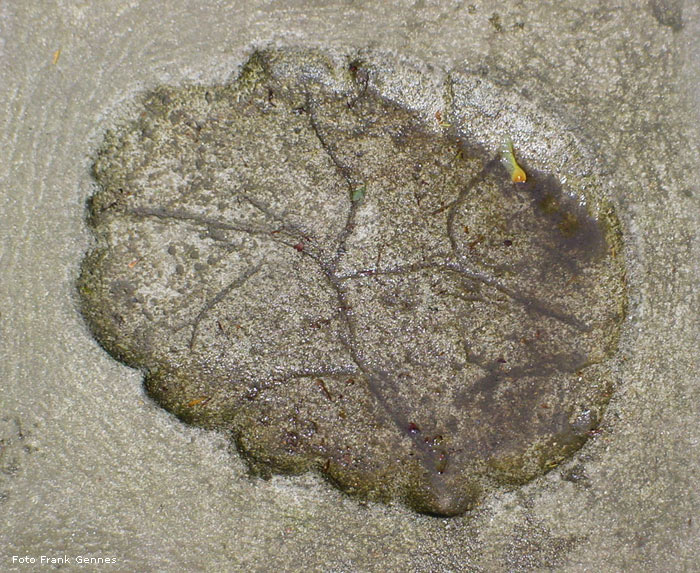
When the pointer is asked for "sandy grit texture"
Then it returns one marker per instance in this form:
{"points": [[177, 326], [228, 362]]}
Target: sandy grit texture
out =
{"points": [[90, 467]]}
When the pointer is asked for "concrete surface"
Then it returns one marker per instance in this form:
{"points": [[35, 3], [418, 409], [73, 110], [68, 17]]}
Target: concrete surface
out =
{"points": [[90, 467]]}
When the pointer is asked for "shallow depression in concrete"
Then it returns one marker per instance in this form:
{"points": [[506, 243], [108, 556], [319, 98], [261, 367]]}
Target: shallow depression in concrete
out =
{"points": [[348, 287]]}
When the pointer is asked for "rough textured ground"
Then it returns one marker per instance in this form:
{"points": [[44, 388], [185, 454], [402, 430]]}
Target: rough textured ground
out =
{"points": [[90, 466]]}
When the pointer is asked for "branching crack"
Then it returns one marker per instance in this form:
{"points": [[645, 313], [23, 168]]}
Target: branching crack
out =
{"points": [[454, 205], [223, 293], [187, 217], [350, 181], [530, 303], [268, 212], [270, 233]]}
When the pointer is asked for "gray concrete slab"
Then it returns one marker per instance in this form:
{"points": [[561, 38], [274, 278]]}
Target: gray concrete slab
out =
{"points": [[90, 467]]}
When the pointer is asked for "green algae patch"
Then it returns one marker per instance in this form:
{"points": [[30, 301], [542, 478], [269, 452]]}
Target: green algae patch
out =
{"points": [[307, 260]]}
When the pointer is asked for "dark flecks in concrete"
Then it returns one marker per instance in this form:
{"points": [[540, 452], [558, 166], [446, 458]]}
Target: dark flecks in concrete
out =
{"points": [[668, 13]]}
